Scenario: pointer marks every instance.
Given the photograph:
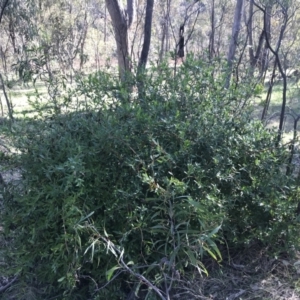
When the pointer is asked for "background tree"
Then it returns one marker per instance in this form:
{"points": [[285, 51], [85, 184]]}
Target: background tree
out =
{"points": [[122, 20], [147, 34], [234, 38]]}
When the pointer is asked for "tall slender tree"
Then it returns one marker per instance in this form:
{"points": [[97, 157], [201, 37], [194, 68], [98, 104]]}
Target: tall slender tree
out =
{"points": [[121, 19], [234, 38], [211, 46], [147, 34]]}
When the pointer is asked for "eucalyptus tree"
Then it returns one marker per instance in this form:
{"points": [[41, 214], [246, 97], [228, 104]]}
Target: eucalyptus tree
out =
{"points": [[234, 38], [147, 33], [122, 19]]}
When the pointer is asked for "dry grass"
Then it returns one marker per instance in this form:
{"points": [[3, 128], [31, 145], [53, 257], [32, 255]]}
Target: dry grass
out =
{"points": [[251, 274]]}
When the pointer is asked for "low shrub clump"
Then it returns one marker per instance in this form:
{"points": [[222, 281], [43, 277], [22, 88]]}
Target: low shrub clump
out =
{"points": [[143, 183]]}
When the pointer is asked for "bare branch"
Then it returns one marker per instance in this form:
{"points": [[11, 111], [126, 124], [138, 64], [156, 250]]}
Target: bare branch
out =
{"points": [[276, 54], [124, 265]]}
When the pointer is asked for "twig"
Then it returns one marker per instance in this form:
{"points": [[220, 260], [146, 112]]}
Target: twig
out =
{"points": [[137, 275], [3, 288], [105, 285]]}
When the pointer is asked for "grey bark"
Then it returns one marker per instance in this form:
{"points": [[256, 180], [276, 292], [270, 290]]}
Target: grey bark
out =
{"points": [[163, 37], [275, 52], [122, 19], [267, 30], [260, 58], [234, 38], [9, 106], [211, 46], [167, 28], [250, 33]]}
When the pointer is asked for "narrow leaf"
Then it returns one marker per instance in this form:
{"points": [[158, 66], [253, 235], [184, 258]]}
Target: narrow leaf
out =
{"points": [[110, 272]]}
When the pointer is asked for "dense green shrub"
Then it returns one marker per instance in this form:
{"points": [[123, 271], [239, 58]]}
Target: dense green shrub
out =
{"points": [[157, 172]]}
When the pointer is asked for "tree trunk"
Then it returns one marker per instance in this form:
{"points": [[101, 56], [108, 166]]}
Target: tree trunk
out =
{"points": [[83, 39], [147, 34], [9, 105], [250, 34], [259, 59], [167, 28], [267, 30], [162, 45], [121, 19], [5, 4], [105, 28], [211, 46], [234, 38], [267, 12]]}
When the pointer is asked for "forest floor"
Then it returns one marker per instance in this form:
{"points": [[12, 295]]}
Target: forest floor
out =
{"points": [[250, 274], [253, 274]]}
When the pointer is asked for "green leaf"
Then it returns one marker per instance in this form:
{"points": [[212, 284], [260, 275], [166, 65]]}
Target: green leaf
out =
{"points": [[213, 232], [213, 245], [110, 272], [195, 203], [86, 217], [61, 279], [192, 257], [210, 252]]}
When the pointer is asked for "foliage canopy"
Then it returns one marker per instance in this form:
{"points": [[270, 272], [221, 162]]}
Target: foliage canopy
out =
{"points": [[166, 174]]}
